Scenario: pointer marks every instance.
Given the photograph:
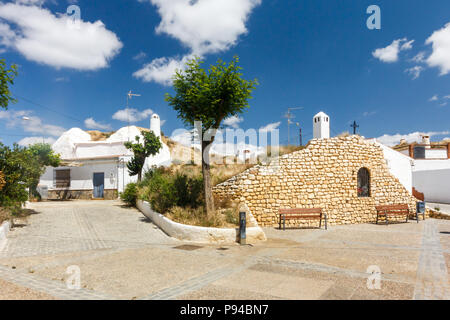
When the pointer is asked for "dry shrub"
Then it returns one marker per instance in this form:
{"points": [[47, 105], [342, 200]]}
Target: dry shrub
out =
{"points": [[2, 180], [5, 215]]}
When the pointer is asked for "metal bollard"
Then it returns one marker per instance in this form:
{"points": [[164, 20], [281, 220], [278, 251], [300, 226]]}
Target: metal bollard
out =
{"points": [[242, 228]]}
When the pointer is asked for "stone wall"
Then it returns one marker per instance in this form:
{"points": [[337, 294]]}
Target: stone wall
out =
{"points": [[66, 194], [323, 175]]}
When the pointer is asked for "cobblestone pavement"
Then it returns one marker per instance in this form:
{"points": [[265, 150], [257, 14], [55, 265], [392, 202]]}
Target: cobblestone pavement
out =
{"points": [[80, 226], [432, 276], [121, 255]]}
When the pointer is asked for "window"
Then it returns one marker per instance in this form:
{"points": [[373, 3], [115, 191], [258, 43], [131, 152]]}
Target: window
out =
{"points": [[363, 183], [62, 178]]}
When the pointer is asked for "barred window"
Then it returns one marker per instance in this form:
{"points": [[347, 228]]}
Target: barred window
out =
{"points": [[62, 178], [363, 183]]}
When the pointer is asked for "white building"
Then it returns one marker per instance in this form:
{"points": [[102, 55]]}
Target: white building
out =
{"points": [[430, 169], [96, 168], [321, 126]]}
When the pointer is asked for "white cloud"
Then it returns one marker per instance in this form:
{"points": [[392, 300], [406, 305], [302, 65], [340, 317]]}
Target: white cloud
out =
{"points": [[434, 98], [440, 56], [32, 124], [203, 26], [270, 127], [447, 97], [90, 123], [161, 70], [55, 40], [390, 53], [414, 71], [369, 113], [392, 140], [25, 142], [233, 121], [132, 115], [141, 55], [419, 58]]}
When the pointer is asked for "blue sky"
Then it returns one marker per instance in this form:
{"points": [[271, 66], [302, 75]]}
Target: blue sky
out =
{"points": [[319, 55]]}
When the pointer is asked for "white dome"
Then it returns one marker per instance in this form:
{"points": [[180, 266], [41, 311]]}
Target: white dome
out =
{"points": [[125, 134], [65, 145]]}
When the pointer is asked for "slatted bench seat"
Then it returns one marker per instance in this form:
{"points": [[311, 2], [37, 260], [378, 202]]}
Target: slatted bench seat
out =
{"points": [[392, 210], [302, 214]]}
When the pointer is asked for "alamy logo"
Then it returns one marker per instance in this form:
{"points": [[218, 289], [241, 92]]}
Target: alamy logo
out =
{"points": [[73, 282], [374, 279], [74, 14], [374, 21]]}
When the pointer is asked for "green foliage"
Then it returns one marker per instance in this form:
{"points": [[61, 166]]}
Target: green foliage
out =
{"points": [[210, 96], [6, 80], [141, 151], [43, 156], [130, 194], [23, 168], [16, 164], [164, 190]]}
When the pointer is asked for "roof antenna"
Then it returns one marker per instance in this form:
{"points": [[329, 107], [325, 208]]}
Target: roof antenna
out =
{"points": [[129, 96]]}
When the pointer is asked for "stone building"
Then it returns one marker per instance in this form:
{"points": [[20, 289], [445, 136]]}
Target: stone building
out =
{"points": [[345, 176]]}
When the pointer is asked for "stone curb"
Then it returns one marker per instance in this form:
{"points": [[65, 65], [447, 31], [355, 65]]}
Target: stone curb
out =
{"points": [[198, 234], [4, 229]]}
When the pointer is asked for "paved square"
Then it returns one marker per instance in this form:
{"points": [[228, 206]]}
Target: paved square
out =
{"points": [[121, 255]]}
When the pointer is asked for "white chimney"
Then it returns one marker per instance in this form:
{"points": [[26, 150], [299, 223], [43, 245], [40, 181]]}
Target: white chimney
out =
{"points": [[321, 126], [426, 141], [403, 141], [155, 125]]}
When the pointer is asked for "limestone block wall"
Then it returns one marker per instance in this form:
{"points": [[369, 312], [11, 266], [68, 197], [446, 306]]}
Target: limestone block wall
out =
{"points": [[323, 175]]}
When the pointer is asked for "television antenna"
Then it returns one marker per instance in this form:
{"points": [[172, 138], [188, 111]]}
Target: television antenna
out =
{"points": [[288, 115], [129, 96]]}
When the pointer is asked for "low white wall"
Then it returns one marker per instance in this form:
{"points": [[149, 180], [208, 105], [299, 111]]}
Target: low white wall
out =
{"points": [[198, 234], [432, 178], [399, 166], [4, 229]]}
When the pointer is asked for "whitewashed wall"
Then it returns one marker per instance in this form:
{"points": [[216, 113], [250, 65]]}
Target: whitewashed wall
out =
{"points": [[99, 149], [81, 178], [399, 166], [432, 177]]}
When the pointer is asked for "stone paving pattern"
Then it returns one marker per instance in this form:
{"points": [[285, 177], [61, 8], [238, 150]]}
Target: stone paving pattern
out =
{"points": [[122, 255]]}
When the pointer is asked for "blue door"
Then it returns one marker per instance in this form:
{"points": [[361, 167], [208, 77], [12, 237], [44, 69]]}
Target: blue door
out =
{"points": [[99, 184]]}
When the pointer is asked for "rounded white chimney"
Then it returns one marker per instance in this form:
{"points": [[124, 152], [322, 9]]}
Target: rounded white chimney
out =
{"points": [[155, 125], [426, 141]]}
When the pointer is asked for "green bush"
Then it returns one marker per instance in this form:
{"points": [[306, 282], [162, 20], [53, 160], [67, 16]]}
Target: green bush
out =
{"points": [[165, 190], [129, 196]]}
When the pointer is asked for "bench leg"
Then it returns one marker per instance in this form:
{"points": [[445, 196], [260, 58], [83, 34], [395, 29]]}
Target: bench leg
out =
{"points": [[284, 223], [377, 219], [320, 223], [326, 222], [387, 221], [279, 223], [417, 217], [423, 216]]}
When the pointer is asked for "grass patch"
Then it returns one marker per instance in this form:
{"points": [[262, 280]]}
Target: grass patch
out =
{"points": [[222, 218]]}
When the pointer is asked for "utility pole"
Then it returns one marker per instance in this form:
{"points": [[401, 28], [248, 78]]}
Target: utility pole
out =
{"points": [[290, 116], [354, 126], [299, 134]]}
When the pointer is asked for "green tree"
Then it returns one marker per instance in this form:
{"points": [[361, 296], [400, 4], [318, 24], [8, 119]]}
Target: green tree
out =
{"points": [[14, 164], [141, 151], [42, 156], [209, 97], [6, 80]]}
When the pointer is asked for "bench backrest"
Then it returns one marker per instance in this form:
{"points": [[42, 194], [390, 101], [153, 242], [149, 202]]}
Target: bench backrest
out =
{"points": [[392, 207], [300, 211]]}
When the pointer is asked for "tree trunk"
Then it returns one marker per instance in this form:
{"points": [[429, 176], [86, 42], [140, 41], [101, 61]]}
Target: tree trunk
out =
{"points": [[139, 175], [207, 187]]}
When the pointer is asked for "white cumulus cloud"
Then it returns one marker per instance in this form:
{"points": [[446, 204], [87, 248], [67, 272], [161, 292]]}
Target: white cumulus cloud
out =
{"points": [[132, 115], [270, 127], [392, 140], [233, 121], [390, 53], [90, 123], [202, 26], [55, 40], [414, 71], [28, 141], [440, 57]]}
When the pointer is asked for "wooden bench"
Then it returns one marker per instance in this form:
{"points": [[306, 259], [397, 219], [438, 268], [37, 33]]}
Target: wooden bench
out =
{"points": [[392, 210], [306, 214]]}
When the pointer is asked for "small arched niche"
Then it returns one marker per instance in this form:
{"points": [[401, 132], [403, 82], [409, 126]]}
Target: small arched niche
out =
{"points": [[363, 187]]}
